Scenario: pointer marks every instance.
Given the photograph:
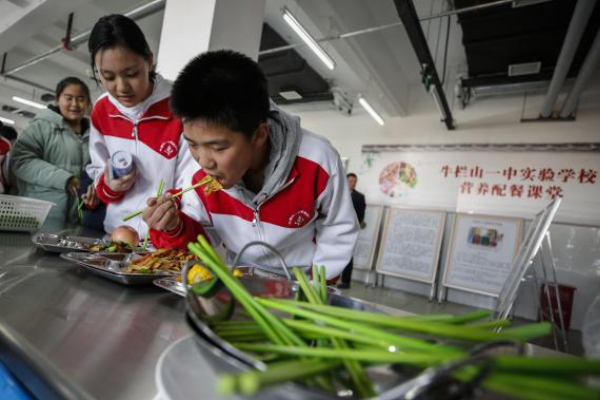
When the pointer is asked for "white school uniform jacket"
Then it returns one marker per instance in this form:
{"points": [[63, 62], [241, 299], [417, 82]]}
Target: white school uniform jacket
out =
{"points": [[307, 215], [153, 137]]}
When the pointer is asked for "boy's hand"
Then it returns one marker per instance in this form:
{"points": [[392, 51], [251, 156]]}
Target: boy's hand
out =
{"points": [[162, 213], [121, 184]]}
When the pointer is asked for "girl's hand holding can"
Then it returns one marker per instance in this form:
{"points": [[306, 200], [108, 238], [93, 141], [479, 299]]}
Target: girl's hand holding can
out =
{"points": [[122, 184]]}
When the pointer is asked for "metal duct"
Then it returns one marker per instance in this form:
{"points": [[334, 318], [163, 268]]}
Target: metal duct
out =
{"points": [[412, 25], [581, 15], [135, 14], [585, 73]]}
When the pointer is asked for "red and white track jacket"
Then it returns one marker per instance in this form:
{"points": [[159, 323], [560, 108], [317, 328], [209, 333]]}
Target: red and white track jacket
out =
{"points": [[310, 220], [153, 137]]}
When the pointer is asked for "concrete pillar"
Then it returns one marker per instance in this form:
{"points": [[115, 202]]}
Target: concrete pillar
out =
{"points": [[191, 27]]}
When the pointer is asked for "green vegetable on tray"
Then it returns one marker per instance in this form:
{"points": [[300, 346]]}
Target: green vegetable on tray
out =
{"points": [[309, 341]]}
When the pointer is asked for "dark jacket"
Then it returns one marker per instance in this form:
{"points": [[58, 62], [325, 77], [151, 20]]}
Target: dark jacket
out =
{"points": [[358, 201], [92, 218]]}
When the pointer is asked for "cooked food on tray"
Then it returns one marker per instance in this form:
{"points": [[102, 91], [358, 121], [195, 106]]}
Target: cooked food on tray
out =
{"points": [[115, 247], [210, 185], [125, 234], [160, 260], [199, 273]]}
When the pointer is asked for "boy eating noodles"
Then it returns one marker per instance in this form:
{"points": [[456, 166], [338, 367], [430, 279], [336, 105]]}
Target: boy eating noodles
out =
{"points": [[278, 183]]}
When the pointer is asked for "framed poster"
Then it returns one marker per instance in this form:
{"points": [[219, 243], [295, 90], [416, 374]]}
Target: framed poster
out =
{"points": [[364, 252], [410, 245], [481, 254]]}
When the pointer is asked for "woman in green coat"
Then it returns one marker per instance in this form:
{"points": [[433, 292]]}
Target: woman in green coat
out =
{"points": [[50, 155]]}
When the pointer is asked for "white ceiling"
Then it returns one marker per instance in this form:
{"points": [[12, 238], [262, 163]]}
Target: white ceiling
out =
{"points": [[381, 65]]}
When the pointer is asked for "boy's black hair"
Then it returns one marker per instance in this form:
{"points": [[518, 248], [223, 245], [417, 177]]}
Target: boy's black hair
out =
{"points": [[8, 132], [114, 30], [71, 80], [222, 87], [351, 174]]}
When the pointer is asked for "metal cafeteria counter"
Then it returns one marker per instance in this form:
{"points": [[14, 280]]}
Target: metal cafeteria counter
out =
{"points": [[69, 334]]}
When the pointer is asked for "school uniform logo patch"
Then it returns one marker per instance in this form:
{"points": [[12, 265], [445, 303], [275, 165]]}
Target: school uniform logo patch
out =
{"points": [[299, 219], [168, 149]]}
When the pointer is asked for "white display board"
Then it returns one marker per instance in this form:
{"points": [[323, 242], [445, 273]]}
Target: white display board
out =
{"points": [[364, 252], [410, 245], [481, 253], [511, 180]]}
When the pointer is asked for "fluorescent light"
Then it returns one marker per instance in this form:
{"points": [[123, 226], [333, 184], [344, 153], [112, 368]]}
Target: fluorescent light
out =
{"points": [[370, 110], [7, 121], [310, 42], [525, 3], [291, 95], [524, 68], [29, 102], [438, 104]]}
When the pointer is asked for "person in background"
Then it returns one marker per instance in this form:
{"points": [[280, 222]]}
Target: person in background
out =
{"points": [[49, 156], [280, 183], [358, 201], [132, 116], [8, 135]]}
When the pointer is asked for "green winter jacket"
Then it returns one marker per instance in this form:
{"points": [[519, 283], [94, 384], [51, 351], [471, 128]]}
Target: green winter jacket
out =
{"points": [[46, 154]]}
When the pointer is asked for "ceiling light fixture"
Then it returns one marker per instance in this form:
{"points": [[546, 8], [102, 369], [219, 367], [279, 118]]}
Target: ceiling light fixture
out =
{"points": [[437, 101], [290, 95], [530, 68], [525, 3], [370, 110], [310, 42], [28, 102], [7, 121]]}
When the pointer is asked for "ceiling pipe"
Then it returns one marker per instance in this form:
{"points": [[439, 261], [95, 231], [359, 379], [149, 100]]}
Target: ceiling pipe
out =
{"points": [[581, 15], [585, 73], [29, 83], [347, 35], [135, 14], [408, 15]]}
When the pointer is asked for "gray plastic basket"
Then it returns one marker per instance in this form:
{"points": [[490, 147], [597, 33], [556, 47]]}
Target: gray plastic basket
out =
{"points": [[22, 214]]}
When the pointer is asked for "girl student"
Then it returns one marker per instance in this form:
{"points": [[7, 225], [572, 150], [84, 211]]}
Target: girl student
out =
{"points": [[133, 117], [49, 156]]}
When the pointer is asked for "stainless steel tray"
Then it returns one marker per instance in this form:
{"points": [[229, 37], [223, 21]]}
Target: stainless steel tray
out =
{"points": [[64, 244], [176, 287], [171, 285], [111, 265]]}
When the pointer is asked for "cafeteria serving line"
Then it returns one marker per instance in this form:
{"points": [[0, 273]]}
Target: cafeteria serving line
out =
{"points": [[274, 199]]}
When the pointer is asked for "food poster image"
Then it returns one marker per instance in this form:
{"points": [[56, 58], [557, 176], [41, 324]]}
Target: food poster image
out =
{"points": [[479, 236]]}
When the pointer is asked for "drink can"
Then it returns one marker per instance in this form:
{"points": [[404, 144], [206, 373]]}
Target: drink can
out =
{"points": [[122, 163]]}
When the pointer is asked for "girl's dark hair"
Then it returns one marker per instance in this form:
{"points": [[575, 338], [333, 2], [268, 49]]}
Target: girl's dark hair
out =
{"points": [[118, 30], [71, 80], [222, 87]]}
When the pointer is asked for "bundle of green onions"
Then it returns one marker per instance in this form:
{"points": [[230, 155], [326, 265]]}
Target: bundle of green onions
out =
{"points": [[316, 339]]}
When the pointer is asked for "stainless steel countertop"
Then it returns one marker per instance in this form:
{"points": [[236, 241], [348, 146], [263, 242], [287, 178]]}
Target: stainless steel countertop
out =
{"points": [[90, 337], [102, 337]]}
